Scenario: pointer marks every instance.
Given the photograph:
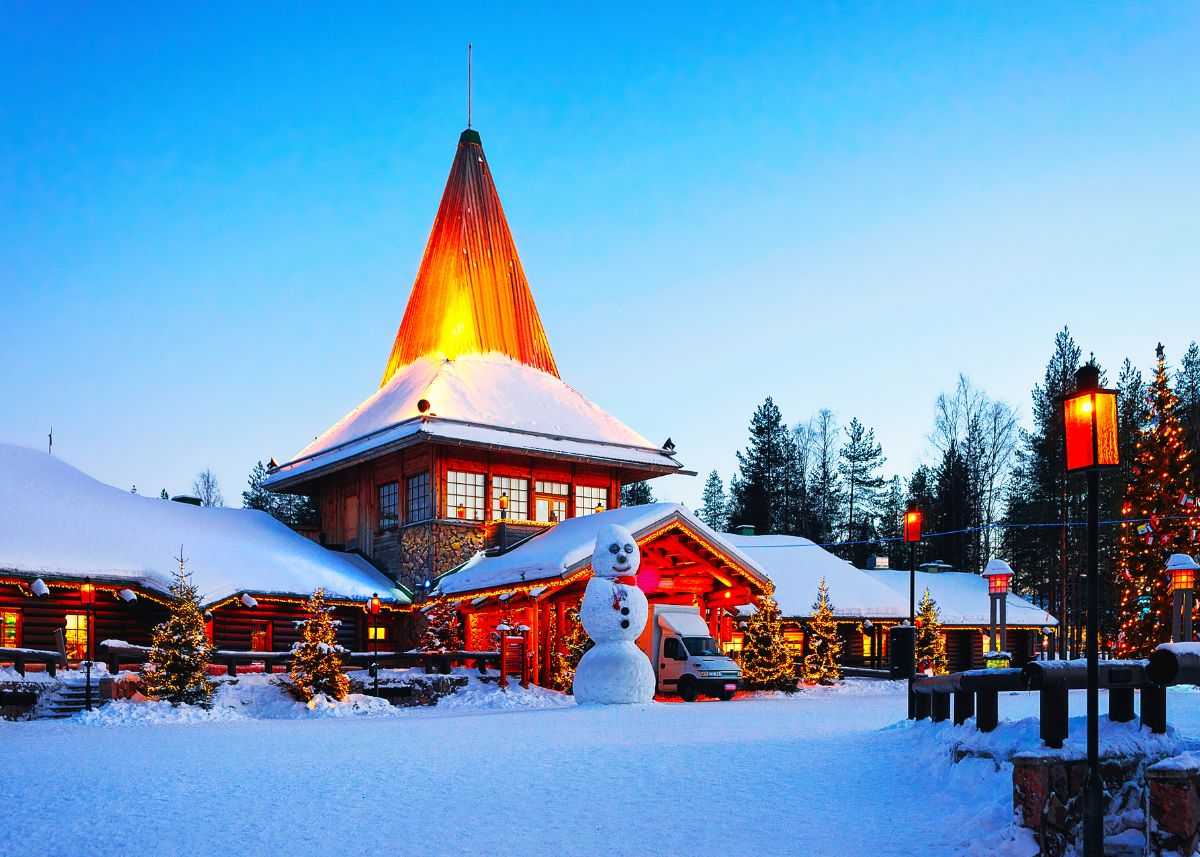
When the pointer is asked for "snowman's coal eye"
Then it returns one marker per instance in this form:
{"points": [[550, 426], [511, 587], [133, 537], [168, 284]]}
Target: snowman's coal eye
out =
{"points": [[628, 548], [614, 548]]}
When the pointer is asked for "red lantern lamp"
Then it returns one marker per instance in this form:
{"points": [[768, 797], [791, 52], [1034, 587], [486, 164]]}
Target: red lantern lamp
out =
{"points": [[1182, 571], [1090, 424], [375, 604], [999, 576], [503, 502], [462, 510], [87, 592], [912, 525]]}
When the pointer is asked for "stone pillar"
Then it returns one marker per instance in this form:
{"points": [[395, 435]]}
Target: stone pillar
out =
{"points": [[1173, 826]]}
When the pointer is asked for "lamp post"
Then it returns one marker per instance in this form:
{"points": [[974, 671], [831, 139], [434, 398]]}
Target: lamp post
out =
{"points": [[912, 535], [503, 521], [998, 574], [1090, 445], [1182, 569], [374, 607], [87, 597]]}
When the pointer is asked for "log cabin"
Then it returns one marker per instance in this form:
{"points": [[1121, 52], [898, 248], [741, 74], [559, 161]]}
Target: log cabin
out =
{"points": [[60, 529]]}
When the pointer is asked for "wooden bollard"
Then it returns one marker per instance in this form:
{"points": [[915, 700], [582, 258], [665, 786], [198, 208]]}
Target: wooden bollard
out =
{"points": [[964, 706]]}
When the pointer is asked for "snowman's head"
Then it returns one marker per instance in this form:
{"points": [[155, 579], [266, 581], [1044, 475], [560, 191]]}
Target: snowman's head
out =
{"points": [[616, 553]]}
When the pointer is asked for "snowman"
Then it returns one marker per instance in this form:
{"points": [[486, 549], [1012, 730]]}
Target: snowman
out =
{"points": [[614, 671]]}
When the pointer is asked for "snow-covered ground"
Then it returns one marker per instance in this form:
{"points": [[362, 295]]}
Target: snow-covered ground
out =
{"points": [[826, 772]]}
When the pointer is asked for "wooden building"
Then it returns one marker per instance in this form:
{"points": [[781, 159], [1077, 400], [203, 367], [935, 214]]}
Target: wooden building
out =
{"points": [[472, 436], [59, 529]]}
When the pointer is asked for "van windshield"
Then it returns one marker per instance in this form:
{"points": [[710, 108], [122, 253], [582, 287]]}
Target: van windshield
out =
{"points": [[701, 646]]}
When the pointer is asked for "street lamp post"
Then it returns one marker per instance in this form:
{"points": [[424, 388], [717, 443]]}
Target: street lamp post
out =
{"points": [[998, 574], [912, 535], [374, 606], [1182, 569], [87, 596], [503, 521], [1090, 445]]}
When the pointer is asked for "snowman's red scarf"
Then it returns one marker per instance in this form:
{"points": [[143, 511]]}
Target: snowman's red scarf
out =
{"points": [[619, 594]]}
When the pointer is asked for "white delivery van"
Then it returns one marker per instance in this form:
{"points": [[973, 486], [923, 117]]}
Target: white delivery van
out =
{"points": [[687, 660]]}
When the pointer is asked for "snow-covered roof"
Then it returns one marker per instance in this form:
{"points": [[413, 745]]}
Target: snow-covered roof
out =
{"points": [[57, 521], [479, 400], [962, 599], [567, 547], [796, 565]]}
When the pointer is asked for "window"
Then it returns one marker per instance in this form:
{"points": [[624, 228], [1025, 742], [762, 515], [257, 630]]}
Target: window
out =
{"points": [[868, 640], [795, 641], [389, 505], [518, 497], [260, 635], [464, 495], [376, 632], [672, 650], [420, 503], [10, 629], [551, 499], [77, 636], [587, 498]]}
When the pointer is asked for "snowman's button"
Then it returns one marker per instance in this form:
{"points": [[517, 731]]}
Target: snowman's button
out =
{"points": [[624, 611], [624, 623]]}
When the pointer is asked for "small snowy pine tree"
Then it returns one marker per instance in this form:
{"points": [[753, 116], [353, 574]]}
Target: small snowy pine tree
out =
{"points": [[931, 644], [822, 664], [765, 659], [180, 650], [714, 508], [317, 658], [443, 632]]}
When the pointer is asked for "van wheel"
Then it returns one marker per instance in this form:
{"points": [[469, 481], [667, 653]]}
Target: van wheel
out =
{"points": [[688, 691]]}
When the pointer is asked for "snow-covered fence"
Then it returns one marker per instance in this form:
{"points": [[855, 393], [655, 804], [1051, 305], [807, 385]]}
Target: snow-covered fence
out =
{"points": [[976, 693], [1053, 680], [21, 658], [1175, 663]]}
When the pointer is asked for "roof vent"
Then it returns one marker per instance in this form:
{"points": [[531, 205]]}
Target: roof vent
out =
{"points": [[188, 499], [423, 406], [744, 530]]}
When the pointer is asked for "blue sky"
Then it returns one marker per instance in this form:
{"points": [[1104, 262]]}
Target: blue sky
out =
{"points": [[211, 216]]}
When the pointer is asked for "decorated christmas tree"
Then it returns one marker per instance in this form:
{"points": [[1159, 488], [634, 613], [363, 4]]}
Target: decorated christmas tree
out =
{"points": [[317, 658], [568, 652], [443, 631], [822, 664], [765, 659], [180, 650], [931, 644], [1160, 517]]}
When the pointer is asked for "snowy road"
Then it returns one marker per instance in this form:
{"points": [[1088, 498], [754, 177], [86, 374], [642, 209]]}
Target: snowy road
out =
{"points": [[818, 774]]}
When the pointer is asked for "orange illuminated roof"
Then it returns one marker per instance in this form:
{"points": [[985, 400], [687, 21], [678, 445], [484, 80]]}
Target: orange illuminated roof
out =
{"points": [[470, 295]]}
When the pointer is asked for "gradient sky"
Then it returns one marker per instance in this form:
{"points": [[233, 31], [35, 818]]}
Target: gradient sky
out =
{"points": [[211, 217]]}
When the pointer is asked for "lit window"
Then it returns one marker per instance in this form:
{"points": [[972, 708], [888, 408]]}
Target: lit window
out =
{"points": [[588, 498], [551, 506], [10, 629], [76, 636], [868, 645], [376, 632], [389, 505], [420, 502], [518, 497], [464, 495], [794, 640]]}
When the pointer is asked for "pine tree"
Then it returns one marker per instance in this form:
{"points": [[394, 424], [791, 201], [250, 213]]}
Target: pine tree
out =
{"points": [[569, 651], [1187, 388], [861, 458], [765, 659], [822, 664], [931, 645], [443, 631], [317, 658], [1161, 517], [180, 649], [713, 505], [757, 488], [891, 516], [825, 488], [637, 494], [163, 495], [951, 509], [292, 509]]}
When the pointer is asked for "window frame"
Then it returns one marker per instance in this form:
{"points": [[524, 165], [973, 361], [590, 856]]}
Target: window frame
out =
{"points": [[393, 495], [518, 491], [592, 493], [269, 626], [18, 625], [459, 489], [415, 514], [545, 491], [69, 633]]}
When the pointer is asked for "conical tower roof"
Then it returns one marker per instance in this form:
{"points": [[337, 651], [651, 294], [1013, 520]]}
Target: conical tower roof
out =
{"points": [[471, 295]]}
